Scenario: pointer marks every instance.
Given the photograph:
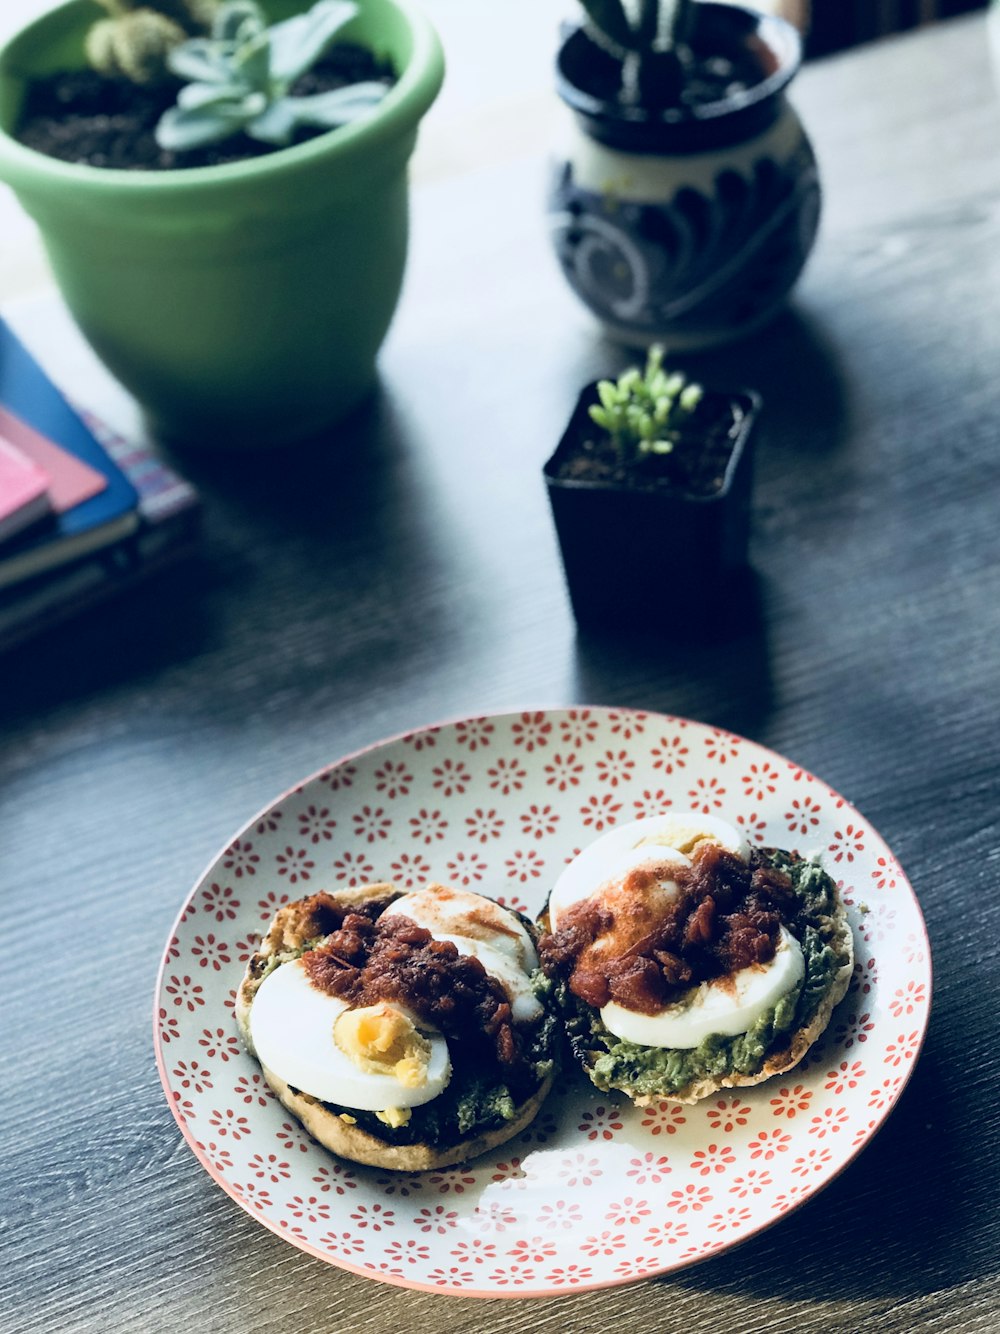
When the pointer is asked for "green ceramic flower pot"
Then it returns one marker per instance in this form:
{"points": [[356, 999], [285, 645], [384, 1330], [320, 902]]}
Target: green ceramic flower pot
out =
{"points": [[242, 304]]}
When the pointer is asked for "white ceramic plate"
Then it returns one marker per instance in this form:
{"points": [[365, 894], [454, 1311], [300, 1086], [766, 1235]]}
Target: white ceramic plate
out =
{"points": [[593, 1193]]}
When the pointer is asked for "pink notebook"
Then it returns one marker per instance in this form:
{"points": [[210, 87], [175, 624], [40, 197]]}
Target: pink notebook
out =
{"points": [[70, 480], [24, 490]]}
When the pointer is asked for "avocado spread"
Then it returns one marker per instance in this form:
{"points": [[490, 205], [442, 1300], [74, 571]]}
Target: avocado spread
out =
{"points": [[649, 1071]]}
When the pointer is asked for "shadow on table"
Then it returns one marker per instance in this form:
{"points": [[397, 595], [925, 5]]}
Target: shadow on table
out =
{"points": [[318, 545], [872, 1234], [718, 669]]}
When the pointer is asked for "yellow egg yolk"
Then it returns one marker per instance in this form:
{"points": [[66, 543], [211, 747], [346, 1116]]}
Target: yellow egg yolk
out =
{"points": [[382, 1041]]}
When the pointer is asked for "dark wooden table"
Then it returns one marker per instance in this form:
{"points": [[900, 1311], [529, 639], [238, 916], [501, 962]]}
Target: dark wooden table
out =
{"points": [[407, 572]]}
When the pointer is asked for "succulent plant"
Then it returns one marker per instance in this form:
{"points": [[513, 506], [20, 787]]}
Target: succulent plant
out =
{"points": [[643, 411], [649, 38], [240, 78], [136, 38]]}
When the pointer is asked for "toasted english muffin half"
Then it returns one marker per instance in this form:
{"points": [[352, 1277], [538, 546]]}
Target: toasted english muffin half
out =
{"points": [[481, 1106], [775, 1043]]}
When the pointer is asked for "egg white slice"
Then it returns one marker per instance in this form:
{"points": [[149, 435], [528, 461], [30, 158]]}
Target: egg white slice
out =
{"points": [[586, 876], [726, 1007], [291, 1026], [670, 837], [458, 912], [684, 830], [524, 1004]]}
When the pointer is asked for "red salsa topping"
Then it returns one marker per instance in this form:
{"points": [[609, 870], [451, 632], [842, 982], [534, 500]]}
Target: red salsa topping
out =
{"points": [[642, 946], [392, 959]]}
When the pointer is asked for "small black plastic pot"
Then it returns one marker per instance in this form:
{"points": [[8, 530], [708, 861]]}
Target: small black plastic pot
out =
{"points": [[644, 556]]}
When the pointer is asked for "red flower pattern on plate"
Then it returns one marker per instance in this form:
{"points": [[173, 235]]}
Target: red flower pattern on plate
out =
{"points": [[667, 1233], [316, 825], [760, 781], [663, 1118], [726, 1114], [436, 1218], [907, 999], [532, 730], [601, 1123], [803, 815], [721, 747], [372, 824], [847, 843], [790, 1102], [752, 1182], [650, 803], [295, 864], [629, 1212], [410, 871], [393, 780], [649, 1170], [767, 1144], [690, 1197], [600, 813], [670, 754], [707, 796], [353, 868], [221, 902], [539, 822], [429, 826], [270, 904], [616, 767], [476, 733], [596, 1210], [239, 859], [627, 725], [484, 825], [714, 1158], [507, 776], [450, 778], [563, 772], [466, 868], [579, 728]]}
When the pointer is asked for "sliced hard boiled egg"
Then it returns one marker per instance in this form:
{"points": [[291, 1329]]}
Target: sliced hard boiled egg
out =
{"points": [[446, 912], [665, 840], [727, 1006], [684, 830], [369, 1059]]}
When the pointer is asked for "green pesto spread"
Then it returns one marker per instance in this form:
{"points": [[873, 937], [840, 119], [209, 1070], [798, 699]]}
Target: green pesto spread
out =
{"points": [[614, 1063]]}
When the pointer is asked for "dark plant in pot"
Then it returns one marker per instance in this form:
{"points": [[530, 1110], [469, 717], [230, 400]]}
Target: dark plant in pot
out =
{"points": [[650, 492], [238, 266], [685, 198]]}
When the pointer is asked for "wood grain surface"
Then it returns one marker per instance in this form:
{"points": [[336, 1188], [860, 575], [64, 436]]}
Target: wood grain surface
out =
{"points": [[405, 571]]}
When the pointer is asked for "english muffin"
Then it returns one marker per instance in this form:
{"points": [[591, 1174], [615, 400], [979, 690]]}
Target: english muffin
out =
{"points": [[685, 961], [407, 1031]]}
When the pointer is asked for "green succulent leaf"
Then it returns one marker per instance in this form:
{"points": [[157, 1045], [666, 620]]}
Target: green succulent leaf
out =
{"points": [[200, 61], [297, 43], [340, 106], [643, 410], [239, 79]]}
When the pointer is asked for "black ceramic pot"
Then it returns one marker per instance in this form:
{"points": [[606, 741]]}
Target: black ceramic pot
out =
{"points": [[644, 556], [685, 225]]}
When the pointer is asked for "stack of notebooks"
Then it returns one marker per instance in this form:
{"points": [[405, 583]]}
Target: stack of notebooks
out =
{"points": [[84, 514]]}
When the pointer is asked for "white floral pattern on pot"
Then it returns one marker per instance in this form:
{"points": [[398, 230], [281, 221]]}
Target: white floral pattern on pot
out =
{"points": [[595, 1192]]}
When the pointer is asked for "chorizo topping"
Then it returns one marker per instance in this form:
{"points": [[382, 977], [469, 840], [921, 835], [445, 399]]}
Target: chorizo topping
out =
{"points": [[642, 946]]}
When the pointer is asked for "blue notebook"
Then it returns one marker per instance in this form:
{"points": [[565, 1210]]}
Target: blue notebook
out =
{"points": [[30, 396]]}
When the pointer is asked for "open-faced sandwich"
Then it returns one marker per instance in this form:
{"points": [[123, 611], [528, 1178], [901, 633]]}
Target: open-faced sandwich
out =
{"points": [[685, 961], [404, 1030]]}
